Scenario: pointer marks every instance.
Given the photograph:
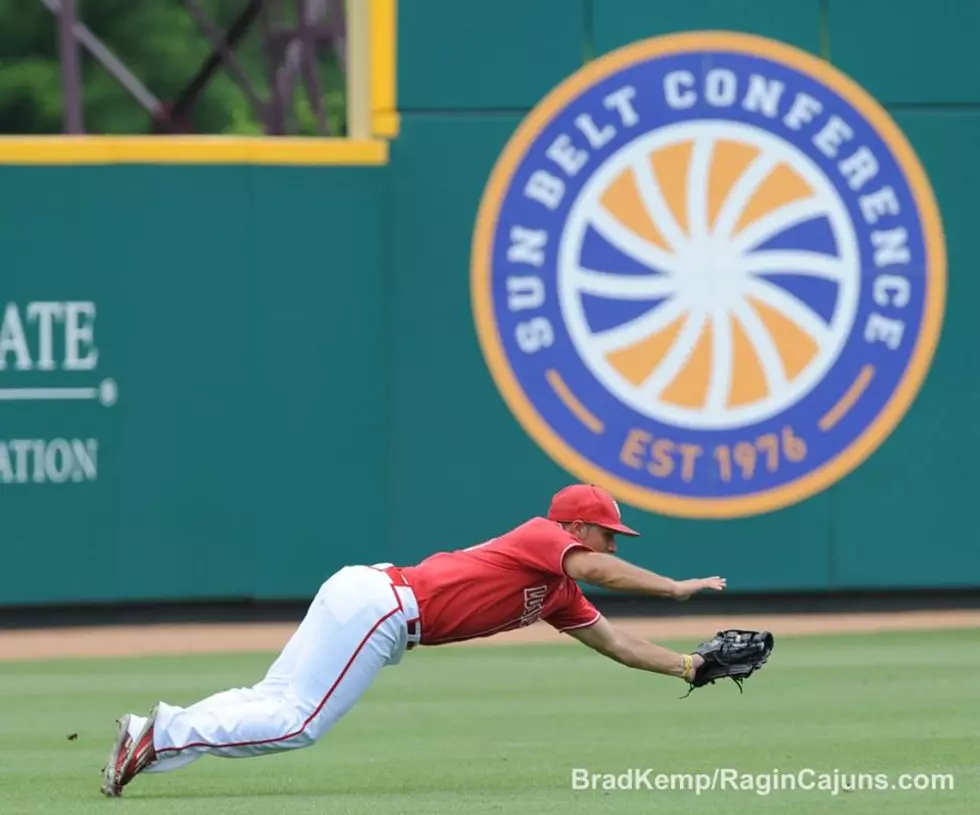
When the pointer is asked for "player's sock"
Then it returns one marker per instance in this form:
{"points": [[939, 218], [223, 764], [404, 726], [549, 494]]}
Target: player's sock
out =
{"points": [[136, 725]]}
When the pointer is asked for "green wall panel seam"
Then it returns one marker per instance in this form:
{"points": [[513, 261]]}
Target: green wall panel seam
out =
{"points": [[825, 29], [589, 49]]}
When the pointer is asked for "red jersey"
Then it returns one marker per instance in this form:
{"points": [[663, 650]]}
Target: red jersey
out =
{"points": [[508, 582]]}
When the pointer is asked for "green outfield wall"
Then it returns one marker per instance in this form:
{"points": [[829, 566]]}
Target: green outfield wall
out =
{"points": [[227, 381]]}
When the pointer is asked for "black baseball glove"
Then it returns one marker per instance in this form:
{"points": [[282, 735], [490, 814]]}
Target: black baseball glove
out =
{"points": [[733, 654]]}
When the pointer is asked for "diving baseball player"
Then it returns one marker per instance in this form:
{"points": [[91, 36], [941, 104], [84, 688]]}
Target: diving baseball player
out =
{"points": [[365, 617]]}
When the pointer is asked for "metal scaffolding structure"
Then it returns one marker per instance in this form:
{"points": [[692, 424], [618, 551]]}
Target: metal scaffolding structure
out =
{"points": [[293, 52]]}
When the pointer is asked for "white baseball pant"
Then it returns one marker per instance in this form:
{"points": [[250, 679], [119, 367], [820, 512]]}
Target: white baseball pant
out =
{"points": [[360, 621]]}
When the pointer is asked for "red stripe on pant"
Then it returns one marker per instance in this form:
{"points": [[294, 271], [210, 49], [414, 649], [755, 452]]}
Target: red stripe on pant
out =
{"points": [[309, 719]]}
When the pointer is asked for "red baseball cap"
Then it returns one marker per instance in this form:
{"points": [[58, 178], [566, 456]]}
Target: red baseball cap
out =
{"points": [[589, 504]]}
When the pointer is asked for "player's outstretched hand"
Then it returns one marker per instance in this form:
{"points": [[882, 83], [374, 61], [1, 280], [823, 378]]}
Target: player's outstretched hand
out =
{"points": [[687, 588]]}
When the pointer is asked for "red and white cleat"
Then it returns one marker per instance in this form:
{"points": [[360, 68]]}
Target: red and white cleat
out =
{"points": [[141, 753], [112, 773]]}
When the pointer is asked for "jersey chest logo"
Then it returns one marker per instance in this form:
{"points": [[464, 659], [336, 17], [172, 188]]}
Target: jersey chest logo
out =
{"points": [[709, 274], [534, 600]]}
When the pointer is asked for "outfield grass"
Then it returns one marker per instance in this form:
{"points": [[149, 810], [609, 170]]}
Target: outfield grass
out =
{"points": [[501, 729]]}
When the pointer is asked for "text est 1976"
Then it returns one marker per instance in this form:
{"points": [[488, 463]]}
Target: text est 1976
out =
{"points": [[663, 457]]}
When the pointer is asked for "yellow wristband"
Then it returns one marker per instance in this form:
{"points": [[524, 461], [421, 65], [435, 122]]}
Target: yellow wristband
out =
{"points": [[688, 666]]}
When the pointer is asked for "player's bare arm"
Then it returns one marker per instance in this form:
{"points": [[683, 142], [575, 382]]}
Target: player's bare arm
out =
{"points": [[635, 652], [611, 572]]}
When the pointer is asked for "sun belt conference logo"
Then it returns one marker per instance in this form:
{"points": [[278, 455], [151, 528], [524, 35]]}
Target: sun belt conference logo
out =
{"points": [[709, 274]]}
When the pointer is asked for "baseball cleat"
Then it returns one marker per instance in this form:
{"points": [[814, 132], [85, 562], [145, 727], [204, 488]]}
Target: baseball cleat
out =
{"points": [[112, 772], [141, 753]]}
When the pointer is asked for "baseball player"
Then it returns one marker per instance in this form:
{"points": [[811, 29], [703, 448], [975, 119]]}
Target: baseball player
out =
{"points": [[365, 617]]}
